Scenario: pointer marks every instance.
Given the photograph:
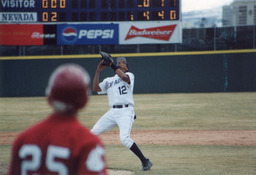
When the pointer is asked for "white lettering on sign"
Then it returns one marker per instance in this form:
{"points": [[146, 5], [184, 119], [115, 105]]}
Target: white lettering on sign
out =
{"points": [[41, 35], [18, 17], [93, 34], [18, 3]]}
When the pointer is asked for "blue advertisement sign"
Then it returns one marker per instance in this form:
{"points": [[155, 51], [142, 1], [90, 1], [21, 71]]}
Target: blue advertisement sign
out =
{"points": [[87, 34]]}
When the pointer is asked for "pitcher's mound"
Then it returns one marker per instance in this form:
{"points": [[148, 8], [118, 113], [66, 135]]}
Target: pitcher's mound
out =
{"points": [[119, 172]]}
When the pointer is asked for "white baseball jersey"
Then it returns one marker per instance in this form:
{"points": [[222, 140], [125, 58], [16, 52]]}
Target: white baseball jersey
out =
{"points": [[119, 92]]}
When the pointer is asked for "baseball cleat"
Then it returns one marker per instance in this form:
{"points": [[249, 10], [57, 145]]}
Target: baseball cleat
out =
{"points": [[146, 165]]}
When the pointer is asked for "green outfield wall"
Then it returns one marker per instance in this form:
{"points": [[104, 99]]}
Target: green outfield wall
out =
{"points": [[168, 72]]}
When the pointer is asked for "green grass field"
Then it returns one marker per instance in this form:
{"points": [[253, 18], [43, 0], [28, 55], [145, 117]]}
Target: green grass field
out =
{"points": [[196, 111]]}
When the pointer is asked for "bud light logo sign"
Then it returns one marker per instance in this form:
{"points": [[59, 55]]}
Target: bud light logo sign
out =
{"points": [[87, 34]]}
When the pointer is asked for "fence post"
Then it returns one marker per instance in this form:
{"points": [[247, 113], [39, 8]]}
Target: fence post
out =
{"points": [[61, 50], [214, 38], [253, 36]]}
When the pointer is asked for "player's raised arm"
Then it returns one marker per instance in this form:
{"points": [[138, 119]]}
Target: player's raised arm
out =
{"points": [[96, 87]]}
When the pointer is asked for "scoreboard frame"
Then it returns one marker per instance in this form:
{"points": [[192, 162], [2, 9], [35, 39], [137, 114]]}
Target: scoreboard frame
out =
{"points": [[55, 11]]}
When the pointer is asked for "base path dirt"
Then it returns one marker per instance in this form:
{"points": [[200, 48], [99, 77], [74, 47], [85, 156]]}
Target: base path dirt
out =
{"points": [[186, 137], [170, 137]]}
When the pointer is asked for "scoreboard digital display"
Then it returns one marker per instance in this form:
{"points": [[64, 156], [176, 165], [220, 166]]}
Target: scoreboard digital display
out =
{"points": [[31, 11]]}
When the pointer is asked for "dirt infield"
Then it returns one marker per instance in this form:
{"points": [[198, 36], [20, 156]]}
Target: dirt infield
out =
{"points": [[186, 137], [171, 137]]}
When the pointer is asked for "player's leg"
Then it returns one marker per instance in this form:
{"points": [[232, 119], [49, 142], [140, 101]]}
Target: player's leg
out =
{"points": [[104, 124], [124, 119], [124, 123], [146, 163]]}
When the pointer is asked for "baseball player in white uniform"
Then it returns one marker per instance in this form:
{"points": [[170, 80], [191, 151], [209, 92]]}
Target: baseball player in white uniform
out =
{"points": [[119, 89]]}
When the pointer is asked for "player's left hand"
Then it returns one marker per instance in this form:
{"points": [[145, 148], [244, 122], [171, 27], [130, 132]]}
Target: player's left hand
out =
{"points": [[107, 59], [100, 67]]}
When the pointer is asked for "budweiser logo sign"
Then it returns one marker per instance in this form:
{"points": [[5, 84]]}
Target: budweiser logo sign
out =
{"points": [[160, 33]]}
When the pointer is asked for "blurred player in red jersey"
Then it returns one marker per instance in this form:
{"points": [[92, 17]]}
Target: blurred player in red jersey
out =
{"points": [[60, 144]]}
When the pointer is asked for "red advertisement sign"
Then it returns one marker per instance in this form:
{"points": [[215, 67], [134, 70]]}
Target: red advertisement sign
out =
{"points": [[21, 34], [154, 32], [159, 33]]}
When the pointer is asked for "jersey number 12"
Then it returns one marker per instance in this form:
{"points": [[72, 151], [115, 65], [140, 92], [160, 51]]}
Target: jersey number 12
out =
{"points": [[122, 90]]}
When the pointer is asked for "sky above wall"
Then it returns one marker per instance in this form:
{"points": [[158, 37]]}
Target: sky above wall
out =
{"points": [[195, 5]]}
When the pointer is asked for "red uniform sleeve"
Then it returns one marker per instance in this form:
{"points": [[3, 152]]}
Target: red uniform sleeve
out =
{"points": [[14, 167], [93, 161]]}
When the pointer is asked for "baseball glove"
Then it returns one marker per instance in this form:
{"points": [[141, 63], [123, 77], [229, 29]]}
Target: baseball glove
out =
{"points": [[107, 58]]}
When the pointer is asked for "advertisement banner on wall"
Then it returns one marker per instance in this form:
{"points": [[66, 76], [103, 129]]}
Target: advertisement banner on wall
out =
{"points": [[158, 32], [27, 34], [87, 34], [21, 34]]}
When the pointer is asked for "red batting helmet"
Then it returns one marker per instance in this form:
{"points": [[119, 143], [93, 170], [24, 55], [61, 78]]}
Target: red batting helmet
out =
{"points": [[68, 88]]}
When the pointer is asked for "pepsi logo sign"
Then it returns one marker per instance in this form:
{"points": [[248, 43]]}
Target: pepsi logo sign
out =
{"points": [[70, 34], [80, 34]]}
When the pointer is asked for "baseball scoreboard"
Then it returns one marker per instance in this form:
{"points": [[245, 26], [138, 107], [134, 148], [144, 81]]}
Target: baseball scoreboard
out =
{"points": [[90, 22], [31, 11]]}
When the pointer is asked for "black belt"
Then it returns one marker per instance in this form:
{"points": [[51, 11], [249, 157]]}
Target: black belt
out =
{"points": [[121, 106]]}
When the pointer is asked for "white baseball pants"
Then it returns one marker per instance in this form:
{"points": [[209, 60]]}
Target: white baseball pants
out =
{"points": [[121, 117]]}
